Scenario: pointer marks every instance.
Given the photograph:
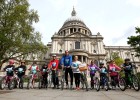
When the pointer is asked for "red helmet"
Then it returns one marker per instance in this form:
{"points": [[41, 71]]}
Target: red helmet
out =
{"points": [[11, 62]]}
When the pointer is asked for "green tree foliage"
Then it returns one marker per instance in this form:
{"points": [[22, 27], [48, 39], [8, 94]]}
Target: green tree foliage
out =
{"points": [[134, 41], [115, 56], [17, 35]]}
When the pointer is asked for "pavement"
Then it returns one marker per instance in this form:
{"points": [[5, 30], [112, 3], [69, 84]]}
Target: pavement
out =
{"points": [[57, 94]]}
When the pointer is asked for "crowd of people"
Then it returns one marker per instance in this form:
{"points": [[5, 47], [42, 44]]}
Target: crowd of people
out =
{"points": [[72, 68]]}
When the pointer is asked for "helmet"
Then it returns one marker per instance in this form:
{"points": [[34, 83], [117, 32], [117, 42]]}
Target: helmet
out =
{"points": [[127, 59], [101, 63], [11, 61]]}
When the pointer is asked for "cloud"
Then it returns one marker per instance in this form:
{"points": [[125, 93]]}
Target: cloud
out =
{"points": [[134, 2]]}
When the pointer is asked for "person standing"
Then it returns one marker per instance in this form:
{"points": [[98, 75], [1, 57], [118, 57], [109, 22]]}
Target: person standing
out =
{"points": [[66, 62], [53, 65], [76, 71]]}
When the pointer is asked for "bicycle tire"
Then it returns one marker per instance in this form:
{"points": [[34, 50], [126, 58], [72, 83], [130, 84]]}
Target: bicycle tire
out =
{"points": [[2, 83], [11, 84], [97, 84], [121, 82], [106, 85], [135, 78]]}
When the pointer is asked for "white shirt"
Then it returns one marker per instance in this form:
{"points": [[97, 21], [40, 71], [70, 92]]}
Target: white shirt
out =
{"points": [[75, 66]]}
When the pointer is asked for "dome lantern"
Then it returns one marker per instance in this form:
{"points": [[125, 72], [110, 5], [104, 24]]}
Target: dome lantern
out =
{"points": [[73, 13]]}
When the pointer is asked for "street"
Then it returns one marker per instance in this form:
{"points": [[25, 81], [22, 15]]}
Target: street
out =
{"points": [[57, 94]]}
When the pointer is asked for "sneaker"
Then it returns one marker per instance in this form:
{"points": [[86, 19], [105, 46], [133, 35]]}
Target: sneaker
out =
{"points": [[54, 87], [78, 88]]}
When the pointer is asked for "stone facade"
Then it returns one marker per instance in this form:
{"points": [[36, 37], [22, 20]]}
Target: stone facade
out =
{"points": [[76, 37]]}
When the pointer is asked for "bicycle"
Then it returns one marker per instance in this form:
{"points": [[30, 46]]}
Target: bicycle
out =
{"points": [[7, 80], [119, 81], [133, 80], [104, 82], [95, 83], [84, 81], [43, 83], [31, 79], [49, 79], [62, 79]]}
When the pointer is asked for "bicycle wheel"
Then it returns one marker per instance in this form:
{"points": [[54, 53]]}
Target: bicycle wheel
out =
{"points": [[2, 83], [39, 83], [135, 83], [122, 84], [49, 81], [62, 83], [106, 85], [11, 84], [28, 83], [97, 84]]}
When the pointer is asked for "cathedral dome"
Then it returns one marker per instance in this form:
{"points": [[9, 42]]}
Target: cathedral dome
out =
{"points": [[74, 24]]}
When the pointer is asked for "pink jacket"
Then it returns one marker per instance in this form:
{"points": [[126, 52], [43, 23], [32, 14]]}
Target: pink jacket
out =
{"points": [[112, 68]]}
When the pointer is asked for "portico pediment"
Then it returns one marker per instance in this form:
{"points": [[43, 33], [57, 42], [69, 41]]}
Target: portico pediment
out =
{"points": [[78, 35]]}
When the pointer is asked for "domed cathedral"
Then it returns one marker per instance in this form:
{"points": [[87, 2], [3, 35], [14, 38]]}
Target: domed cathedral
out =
{"points": [[77, 38]]}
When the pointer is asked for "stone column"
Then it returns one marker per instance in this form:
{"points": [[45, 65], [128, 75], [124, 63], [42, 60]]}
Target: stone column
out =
{"points": [[86, 60], [82, 59]]}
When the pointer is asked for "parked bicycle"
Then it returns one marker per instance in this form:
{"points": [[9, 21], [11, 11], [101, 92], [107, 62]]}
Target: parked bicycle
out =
{"points": [[7, 81], [118, 81]]}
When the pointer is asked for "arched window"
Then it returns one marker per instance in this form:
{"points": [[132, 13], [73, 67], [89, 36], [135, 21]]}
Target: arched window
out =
{"points": [[77, 45]]}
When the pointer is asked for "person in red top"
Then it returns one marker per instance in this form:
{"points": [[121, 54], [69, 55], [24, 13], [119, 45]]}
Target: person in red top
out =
{"points": [[53, 65], [113, 68]]}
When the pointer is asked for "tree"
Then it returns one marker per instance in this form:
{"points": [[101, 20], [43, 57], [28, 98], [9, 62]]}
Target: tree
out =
{"points": [[134, 41], [115, 56], [17, 35]]}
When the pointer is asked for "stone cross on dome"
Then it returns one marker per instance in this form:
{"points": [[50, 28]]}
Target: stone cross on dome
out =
{"points": [[73, 13]]}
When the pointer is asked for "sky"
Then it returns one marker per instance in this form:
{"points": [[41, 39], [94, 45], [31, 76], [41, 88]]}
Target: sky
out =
{"points": [[114, 19]]}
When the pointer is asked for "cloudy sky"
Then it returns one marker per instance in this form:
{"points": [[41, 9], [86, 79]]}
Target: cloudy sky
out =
{"points": [[114, 19]]}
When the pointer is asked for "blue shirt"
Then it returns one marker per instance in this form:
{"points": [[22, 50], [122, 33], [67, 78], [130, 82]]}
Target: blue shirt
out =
{"points": [[66, 60]]}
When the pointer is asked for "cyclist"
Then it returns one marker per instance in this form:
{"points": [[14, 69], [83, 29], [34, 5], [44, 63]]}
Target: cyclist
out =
{"points": [[127, 69], [10, 68], [21, 70], [44, 73], [54, 67], [76, 71], [33, 70], [66, 62], [113, 68], [93, 68], [103, 72]]}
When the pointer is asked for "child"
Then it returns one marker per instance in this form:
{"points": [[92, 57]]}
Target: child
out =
{"points": [[92, 68]]}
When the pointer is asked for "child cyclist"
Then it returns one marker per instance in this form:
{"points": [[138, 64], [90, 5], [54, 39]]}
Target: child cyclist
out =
{"points": [[128, 69], [92, 68], [33, 71], [103, 73], [113, 68], [20, 70], [44, 73]]}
